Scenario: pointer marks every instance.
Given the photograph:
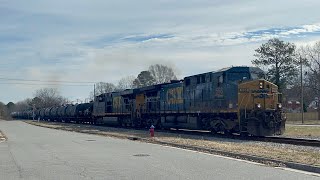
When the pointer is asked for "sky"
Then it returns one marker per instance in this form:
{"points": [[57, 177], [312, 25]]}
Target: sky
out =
{"points": [[101, 40]]}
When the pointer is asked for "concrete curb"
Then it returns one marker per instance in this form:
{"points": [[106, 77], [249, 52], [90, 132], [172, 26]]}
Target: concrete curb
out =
{"points": [[262, 160]]}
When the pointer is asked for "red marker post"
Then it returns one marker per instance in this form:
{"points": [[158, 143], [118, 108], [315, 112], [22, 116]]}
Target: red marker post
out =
{"points": [[151, 131]]}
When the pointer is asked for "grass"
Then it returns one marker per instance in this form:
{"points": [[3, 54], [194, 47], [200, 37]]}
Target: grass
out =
{"points": [[2, 136], [280, 152], [303, 131], [307, 122]]}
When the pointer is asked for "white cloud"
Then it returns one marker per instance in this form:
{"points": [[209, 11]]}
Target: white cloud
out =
{"points": [[202, 36]]}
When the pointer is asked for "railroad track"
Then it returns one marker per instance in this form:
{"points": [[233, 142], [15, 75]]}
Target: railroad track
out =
{"points": [[294, 141], [280, 140]]}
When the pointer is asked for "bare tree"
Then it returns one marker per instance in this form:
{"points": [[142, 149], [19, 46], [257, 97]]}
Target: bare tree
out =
{"points": [[91, 96], [125, 83], [103, 87], [23, 105], [3, 110], [162, 73], [312, 55], [10, 107], [47, 97], [144, 79]]}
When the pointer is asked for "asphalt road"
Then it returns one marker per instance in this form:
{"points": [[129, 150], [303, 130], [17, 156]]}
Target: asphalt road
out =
{"points": [[32, 152]]}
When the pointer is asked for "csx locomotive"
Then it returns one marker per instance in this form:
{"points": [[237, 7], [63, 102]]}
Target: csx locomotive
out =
{"points": [[231, 100]]}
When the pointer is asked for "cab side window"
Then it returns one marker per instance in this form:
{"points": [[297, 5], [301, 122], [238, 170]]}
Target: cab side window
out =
{"points": [[188, 82], [220, 80]]}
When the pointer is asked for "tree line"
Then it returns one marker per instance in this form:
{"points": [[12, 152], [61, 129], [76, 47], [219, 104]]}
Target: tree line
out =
{"points": [[156, 74], [50, 97], [43, 98]]}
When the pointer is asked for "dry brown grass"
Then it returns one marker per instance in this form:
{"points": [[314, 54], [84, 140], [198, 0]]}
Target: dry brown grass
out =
{"points": [[310, 122], [281, 153], [2, 136], [285, 153], [303, 131]]}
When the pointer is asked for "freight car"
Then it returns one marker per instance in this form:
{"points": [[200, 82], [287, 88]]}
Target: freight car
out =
{"points": [[231, 100]]}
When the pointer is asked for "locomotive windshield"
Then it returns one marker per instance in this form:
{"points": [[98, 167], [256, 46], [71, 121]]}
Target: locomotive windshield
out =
{"points": [[257, 75], [238, 76]]}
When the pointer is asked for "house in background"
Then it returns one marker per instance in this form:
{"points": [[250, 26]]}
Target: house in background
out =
{"points": [[314, 105], [292, 106]]}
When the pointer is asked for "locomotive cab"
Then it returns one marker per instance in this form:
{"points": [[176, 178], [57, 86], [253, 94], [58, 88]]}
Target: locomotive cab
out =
{"points": [[259, 109]]}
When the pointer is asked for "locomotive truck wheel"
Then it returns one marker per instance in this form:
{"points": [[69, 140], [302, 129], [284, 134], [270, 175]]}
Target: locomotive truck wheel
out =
{"points": [[227, 132], [213, 131], [244, 134]]}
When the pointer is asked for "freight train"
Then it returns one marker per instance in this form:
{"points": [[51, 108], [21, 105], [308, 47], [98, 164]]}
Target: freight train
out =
{"points": [[231, 100]]}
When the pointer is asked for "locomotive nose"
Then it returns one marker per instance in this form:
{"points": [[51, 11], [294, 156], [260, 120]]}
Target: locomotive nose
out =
{"points": [[260, 111]]}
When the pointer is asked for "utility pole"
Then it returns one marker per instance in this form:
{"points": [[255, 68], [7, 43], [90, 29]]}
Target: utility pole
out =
{"points": [[33, 107], [94, 92], [302, 108]]}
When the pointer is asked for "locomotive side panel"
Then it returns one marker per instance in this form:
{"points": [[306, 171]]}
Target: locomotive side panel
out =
{"points": [[171, 98], [99, 106]]}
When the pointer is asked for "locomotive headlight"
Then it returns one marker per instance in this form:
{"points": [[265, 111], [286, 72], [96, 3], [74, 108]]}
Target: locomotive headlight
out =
{"points": [[261, 85], [279, 106], [258, 106]]}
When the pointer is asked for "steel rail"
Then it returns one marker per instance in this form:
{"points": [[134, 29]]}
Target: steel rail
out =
{"points": [[275, 139]]}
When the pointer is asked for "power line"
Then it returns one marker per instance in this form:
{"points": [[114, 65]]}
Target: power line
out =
{"points": [[52, 81], [39, 84]]}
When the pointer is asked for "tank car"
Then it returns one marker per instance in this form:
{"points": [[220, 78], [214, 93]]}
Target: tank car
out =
{"points": [[83, 112], [70, 113], [61, 113]]}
